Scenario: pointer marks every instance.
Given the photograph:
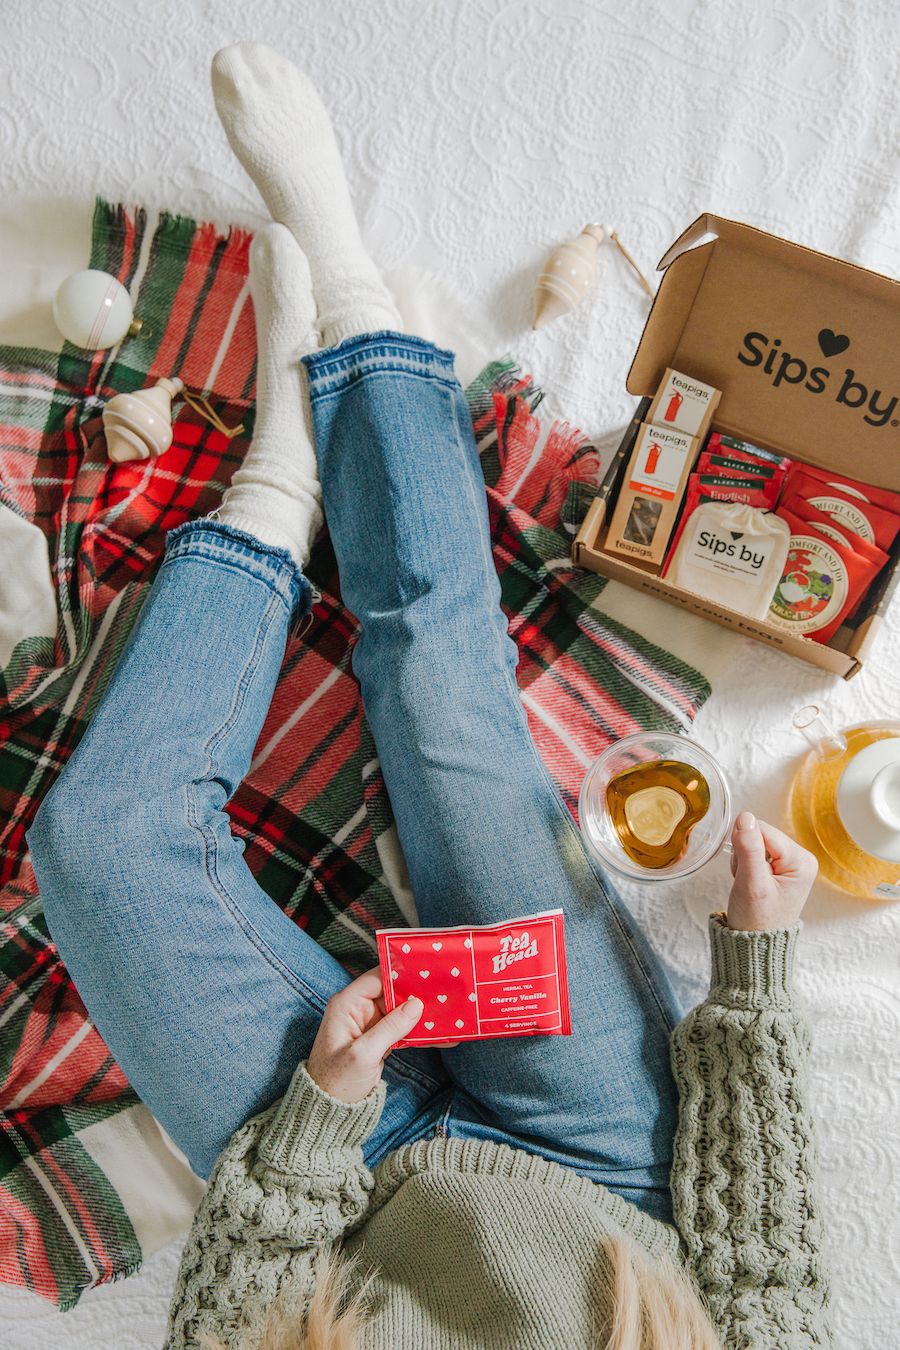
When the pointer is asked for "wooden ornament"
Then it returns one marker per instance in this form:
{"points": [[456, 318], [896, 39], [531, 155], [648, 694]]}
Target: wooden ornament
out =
{"points": [[566, 276], [139, 425], [569, 271]]}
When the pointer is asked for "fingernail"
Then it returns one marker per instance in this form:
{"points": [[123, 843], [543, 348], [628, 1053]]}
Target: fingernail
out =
{"points": [[746, 821], [413, 1003]]}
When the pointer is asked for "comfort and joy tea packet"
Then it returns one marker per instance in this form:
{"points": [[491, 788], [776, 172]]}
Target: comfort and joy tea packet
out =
{"points": [[501, 979]]}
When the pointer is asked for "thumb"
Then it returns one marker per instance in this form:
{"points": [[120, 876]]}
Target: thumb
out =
{"points": [[396, 1024], [752, 873]]}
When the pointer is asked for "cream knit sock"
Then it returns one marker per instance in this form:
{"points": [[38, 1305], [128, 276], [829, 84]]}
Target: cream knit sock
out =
{"points": [[275, 494], [281, 132]]}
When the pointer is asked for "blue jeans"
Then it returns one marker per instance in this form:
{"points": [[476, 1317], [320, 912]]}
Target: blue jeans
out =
{"points": [[205, 992]]}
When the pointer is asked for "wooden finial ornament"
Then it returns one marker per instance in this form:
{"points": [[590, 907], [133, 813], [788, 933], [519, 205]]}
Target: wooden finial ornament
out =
{"points": [[566, 276], [139, 425], [569, 271]]}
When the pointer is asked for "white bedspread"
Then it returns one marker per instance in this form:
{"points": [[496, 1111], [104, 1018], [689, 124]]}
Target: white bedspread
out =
{"points": [[478, 134]]}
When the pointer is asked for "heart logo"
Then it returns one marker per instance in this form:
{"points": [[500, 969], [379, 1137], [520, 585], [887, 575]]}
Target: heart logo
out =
{"points": [[442, 998], [429, 1026], [437, 946], [468, 942], [832, 343], [424, 974], [406, 947], [455, 970], [459, 1022], [471, 998]]}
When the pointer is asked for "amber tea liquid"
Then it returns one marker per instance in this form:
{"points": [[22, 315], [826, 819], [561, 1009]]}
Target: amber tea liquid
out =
{"points": [[654, 807]]}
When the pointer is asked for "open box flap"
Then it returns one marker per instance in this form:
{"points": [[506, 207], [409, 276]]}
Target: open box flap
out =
{"points": [[802, 345]]}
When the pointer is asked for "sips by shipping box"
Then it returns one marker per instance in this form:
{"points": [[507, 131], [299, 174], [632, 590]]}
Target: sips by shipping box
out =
{"points": [[803, 347]]}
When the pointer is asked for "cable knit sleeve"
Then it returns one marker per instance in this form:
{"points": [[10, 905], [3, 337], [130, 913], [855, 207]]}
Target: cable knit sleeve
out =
{"points": [[290, 1182], [743, 1182]]}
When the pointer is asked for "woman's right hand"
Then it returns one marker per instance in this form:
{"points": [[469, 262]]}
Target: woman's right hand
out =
{"points": [[773, 876], [356, 1036]]}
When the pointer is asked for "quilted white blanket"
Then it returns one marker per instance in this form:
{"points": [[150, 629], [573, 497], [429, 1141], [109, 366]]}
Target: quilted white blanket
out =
{"points": [[478, 134]]}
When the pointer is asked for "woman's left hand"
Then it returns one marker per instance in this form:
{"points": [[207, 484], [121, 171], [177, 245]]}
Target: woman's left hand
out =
{"points": [[356, 1037]]}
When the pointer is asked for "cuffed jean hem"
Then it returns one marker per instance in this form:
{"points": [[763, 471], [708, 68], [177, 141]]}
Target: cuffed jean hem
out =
{"points": [[335, 368], [221, 543]]}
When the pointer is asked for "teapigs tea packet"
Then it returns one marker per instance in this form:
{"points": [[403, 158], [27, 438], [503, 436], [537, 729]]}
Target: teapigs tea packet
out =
{"points": [[477, 983]]}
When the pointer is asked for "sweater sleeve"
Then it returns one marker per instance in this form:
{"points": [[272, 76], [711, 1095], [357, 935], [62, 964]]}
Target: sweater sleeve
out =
{"points": [[289, 1183], [743, 1185]]}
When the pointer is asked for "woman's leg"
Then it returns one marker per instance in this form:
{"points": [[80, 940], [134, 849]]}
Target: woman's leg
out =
{"points": [[206, 993], [484, 831]]}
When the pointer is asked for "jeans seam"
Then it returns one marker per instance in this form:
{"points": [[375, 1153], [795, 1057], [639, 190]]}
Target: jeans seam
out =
{"points": [[211, 850]]}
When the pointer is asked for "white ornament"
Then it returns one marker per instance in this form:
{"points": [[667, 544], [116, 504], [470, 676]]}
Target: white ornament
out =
{"points": [[442, 998], [424, 974], [93, 310], [405, 947], [460, 1022], [429, 1026], [437, 946], [472, 998], [468, 942], [455, 970]]}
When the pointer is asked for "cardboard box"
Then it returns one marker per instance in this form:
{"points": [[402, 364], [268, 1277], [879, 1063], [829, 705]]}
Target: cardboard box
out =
{"points": [[802, 346], [652, 492]]}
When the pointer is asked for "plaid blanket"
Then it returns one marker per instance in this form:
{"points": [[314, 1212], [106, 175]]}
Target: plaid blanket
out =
{"points": [[87, 1188]]}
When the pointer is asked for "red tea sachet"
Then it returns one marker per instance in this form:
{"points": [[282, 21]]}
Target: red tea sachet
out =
{"points": [[822, 584], [720, 444], [883, 497], [477, 983], [827, 525], [851, 511]]}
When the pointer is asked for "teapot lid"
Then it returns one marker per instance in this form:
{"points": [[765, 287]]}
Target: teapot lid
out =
{"points": [[868, 799]]}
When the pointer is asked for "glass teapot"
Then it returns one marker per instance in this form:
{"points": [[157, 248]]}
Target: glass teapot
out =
{"points": [[845, 803]]}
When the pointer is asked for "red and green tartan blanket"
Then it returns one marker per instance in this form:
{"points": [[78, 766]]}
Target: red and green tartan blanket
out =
{"points": [[87, 1185]]}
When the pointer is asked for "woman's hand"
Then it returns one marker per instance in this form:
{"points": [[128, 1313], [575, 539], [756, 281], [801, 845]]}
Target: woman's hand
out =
{"points": [[772, 874], [356, 1036]]}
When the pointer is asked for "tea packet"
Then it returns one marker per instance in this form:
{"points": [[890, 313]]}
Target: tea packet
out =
{"points": [[478, 983], [851, 510], [822, 583]]}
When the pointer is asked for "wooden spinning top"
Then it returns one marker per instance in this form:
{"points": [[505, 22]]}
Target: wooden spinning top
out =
{"points": [[569, 271], [566, 276], [139, 425]]}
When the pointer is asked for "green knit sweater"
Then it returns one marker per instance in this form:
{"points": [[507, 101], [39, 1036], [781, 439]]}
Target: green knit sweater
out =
{"points": [[478, 1246]]}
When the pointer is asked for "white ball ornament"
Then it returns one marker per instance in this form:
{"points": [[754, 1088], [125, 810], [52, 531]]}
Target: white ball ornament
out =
{"points": [[93, 310]]}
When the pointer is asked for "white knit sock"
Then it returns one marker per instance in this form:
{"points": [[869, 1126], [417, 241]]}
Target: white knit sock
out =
{"points": [[281, 132], [275, 494]]}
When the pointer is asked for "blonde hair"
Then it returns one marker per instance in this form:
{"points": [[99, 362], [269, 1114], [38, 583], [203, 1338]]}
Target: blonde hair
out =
{"points": [[655, 1307]]}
